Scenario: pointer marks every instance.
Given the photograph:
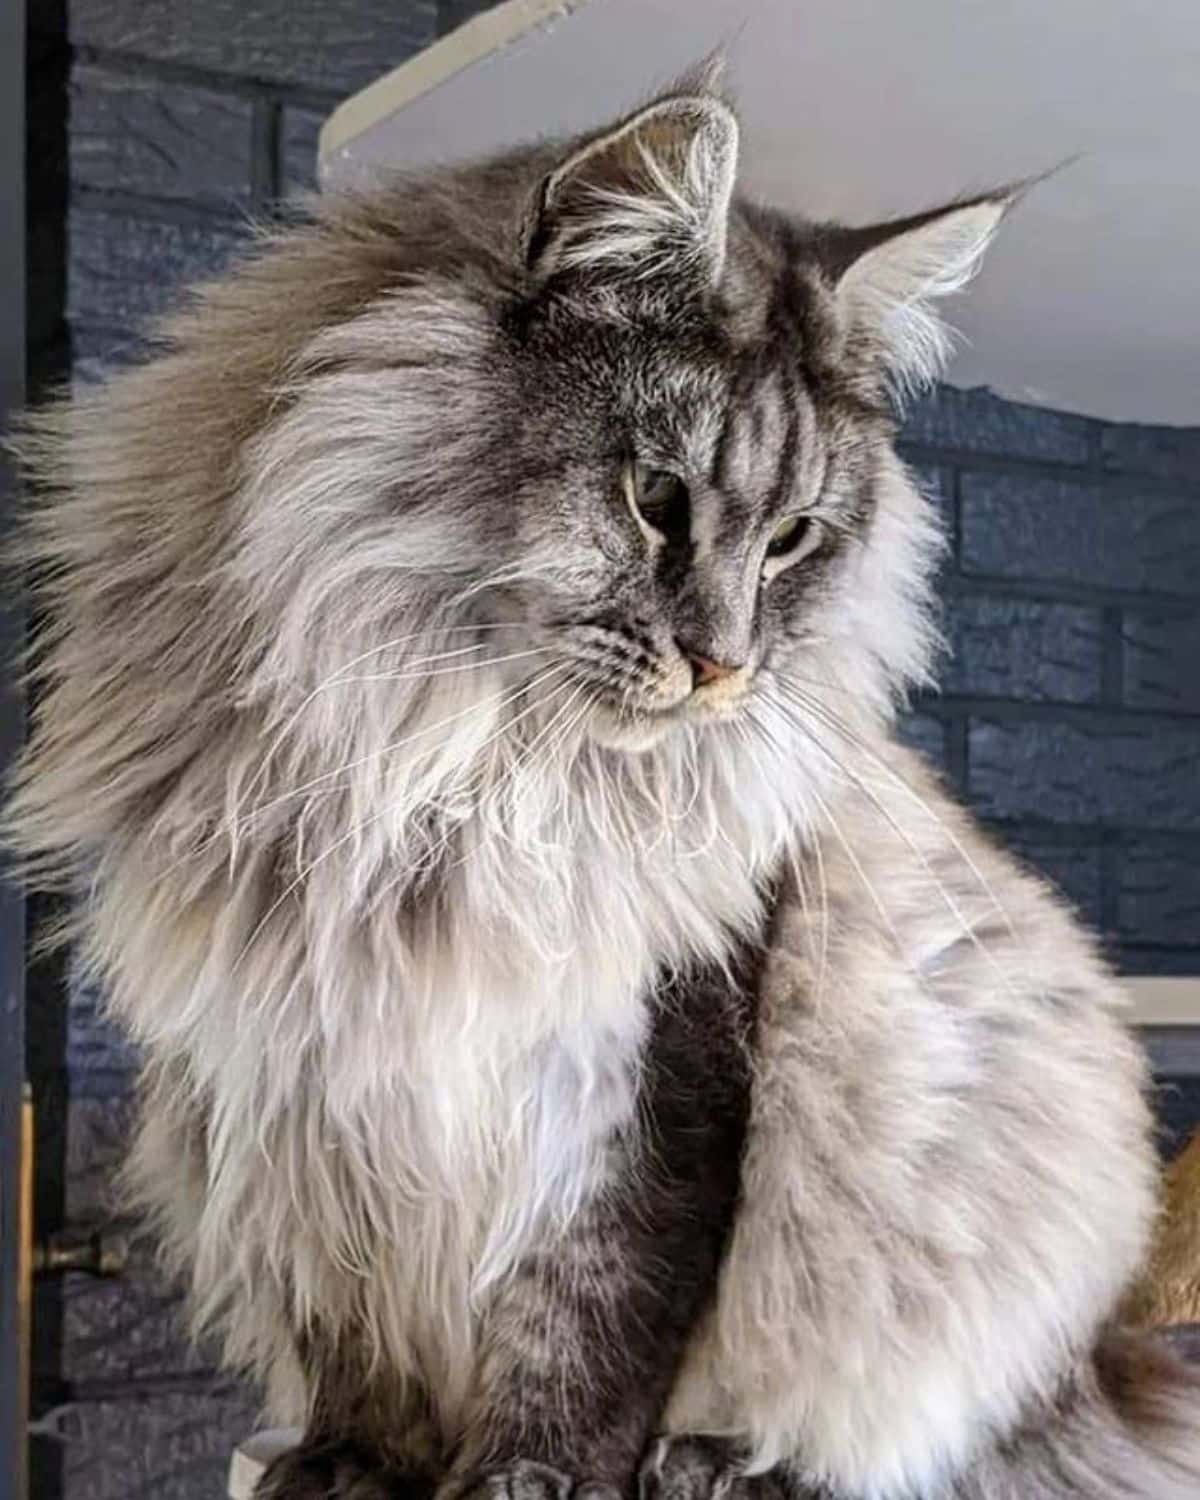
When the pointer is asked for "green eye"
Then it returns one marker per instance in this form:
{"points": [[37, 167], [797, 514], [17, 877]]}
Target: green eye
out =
{"points": [[787, 535], [660, 498]]}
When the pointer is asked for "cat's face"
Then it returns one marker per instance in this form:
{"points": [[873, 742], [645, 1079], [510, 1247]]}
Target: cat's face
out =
{"points": [[688, 506], [638, 429], [699, 418]]}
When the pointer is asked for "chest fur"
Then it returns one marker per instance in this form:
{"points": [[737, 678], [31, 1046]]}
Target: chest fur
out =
{"points": [[489, 1140], [397, 1112]]}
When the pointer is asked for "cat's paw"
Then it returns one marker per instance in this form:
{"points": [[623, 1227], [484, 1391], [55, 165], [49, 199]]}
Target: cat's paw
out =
{"points": [[706, 1468], [687, 1468], [336, 1471], [526, 1479]]}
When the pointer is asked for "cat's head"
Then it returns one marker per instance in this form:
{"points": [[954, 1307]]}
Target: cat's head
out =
{"points": [[672, 431], [577, 422], [710, 507]]}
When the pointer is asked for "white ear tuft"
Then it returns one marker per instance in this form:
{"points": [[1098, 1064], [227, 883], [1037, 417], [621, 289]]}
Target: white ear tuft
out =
{"points": [[890, 286], [652, 195]]}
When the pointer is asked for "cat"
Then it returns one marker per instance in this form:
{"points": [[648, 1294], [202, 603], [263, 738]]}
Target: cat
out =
{"points": [[582, 1048]]}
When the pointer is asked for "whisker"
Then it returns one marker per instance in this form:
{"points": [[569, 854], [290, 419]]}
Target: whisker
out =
{"points": [[494, 830], [234, 831], [824, 964], [956, 911], [475, 783], [835, 723], [506, 696], [819, 683], [429, 632], [529, 752], [304, 874], [338, 675], [404, 675], [692, 761], [836, 828]]}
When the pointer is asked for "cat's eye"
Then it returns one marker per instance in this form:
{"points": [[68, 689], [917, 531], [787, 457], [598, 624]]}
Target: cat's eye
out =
{"points": [[787, 535], [660, 498]]}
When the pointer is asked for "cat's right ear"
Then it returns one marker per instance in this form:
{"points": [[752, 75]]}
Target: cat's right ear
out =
{"points": [[890, 277], [650, 196]]}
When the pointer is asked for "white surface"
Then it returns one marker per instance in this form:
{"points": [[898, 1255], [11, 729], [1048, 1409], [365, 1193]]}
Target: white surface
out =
{"points": [[252, 1457], [1164, 1002], [858, 109]]}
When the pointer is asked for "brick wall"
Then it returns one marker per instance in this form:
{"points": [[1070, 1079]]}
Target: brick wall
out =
{"points": [[1070, 715]]}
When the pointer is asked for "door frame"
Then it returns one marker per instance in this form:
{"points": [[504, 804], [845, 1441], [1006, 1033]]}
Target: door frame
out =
{"points": [[13, 1377]]}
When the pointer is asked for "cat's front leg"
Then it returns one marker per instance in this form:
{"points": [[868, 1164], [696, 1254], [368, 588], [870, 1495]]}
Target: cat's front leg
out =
{"points": [[583, 1343], [947, 1185], [527, 1479], [711, 1468], [369, 1434], [321, 1469]]}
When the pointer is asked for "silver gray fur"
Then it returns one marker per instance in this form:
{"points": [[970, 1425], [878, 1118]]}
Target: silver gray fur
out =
{"points": [[363, 718]]}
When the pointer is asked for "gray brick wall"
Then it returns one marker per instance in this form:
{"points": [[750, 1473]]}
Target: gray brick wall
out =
{"points": [[305, 45], [1070, 710], [1074, 530]]}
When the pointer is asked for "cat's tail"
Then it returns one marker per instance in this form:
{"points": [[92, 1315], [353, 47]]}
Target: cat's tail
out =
{"points": [[1126, 1427]]}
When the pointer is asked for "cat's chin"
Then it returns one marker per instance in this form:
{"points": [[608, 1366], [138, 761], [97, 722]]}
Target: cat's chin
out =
{"points": [[633, 736]]}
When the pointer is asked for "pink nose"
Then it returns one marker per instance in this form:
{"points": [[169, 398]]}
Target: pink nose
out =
{"points": [[705, 670]]}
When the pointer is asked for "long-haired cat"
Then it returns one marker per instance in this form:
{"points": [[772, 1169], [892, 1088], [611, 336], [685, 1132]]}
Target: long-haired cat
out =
{"points": [[577, 1036]]}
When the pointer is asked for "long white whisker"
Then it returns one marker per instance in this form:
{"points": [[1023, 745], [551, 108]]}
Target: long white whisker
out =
{"points": [[430, 632], [337, 676], [566, 731], [860, 872], [404, 675], [795, 862], [956, 911], [834, 722], [500, 700], [505, 697], [493, 831], [304, 874], [528, 753], [849, 852], [503, 729], [824, 961]]}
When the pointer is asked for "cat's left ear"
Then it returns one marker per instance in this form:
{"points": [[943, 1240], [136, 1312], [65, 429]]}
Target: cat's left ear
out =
{"points": [[651, 195], [889, 278]]}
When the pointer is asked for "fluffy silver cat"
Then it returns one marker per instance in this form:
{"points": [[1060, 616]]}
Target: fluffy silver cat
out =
{"points": [[581, 1046]]}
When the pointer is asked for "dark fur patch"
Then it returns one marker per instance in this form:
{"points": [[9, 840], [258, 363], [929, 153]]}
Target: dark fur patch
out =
{"points": [[613, 1298], [337, 1471], [1142, 1376]]}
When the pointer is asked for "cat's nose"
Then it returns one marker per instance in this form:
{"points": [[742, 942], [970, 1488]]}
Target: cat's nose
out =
{"points": [[704, 668]]}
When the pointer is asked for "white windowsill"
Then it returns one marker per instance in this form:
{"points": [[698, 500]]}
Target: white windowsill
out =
{"points": [[1167, 1015], [1164, 1002]]}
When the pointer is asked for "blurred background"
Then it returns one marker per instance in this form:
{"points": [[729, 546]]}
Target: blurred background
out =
{"points": [[1069, 717]]}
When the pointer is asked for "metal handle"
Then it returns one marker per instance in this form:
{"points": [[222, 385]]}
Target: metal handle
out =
{"points": [[25, 1288], [99, 1253]]}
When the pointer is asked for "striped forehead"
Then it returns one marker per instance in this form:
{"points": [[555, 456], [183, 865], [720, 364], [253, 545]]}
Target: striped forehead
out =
{"points": [[765, 455]]}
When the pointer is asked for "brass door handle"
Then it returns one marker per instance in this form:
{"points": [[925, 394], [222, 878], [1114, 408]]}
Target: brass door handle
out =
{"points": [[25, 1285], [97, 1252]]}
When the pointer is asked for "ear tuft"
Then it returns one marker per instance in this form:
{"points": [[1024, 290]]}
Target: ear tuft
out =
{"points": [[891, 275], [651, 195], [706, 77]]}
